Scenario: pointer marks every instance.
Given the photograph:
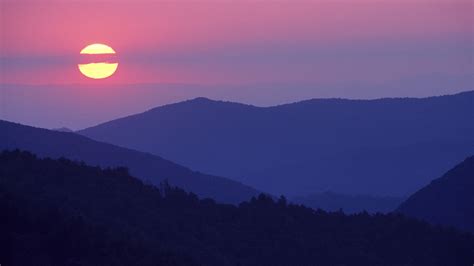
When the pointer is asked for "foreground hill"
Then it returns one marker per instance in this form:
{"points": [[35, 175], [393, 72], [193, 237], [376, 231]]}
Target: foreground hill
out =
{"points": [[448, 200], [107, 217], [386, 147], [143, 165]]}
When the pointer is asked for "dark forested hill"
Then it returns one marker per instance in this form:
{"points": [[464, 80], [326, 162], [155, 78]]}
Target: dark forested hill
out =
{"points": [[448, 200], [388, 147], [143, 165], [57, 212], [42, 234]]}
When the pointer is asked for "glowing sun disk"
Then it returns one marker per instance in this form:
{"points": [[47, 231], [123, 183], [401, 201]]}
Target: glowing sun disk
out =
{"points": [[98, 70]]}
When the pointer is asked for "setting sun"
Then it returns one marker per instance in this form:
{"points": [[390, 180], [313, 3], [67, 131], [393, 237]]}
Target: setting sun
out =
{"points": [[98, 70]]}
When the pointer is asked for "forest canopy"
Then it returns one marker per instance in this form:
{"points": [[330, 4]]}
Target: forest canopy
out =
{"points": [[60, 212]]}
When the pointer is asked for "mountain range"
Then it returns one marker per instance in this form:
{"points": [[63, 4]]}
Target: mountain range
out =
{"points": [[154, 169], [383, 147], [148, 167]]}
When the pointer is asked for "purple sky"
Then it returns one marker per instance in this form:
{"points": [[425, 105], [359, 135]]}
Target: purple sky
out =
{"points": [[257, 52]]}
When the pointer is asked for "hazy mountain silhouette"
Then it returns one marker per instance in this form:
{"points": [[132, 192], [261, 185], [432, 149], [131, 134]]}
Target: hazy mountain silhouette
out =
{"points": [[448, 200], [146, 166], [331, 201], [57, 212], [388, 147], [63, 129]]}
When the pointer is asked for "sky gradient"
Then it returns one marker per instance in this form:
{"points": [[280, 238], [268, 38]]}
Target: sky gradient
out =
{"points": [[257, 52]]}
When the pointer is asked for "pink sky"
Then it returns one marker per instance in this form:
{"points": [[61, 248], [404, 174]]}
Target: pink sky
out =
{"points": [[183, 36], [357, 49]]}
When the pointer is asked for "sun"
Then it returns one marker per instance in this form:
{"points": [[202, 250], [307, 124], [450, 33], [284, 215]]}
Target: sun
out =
{"points": [[98, 66]]}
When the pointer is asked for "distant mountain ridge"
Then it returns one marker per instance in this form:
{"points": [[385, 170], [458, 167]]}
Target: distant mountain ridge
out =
{"points": [[388, 147], [63, 129], [148, 167], [448, 200]]}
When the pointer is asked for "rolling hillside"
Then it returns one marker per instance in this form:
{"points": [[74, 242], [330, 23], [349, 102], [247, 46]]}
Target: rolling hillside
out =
{"points": [[448, 200], [148, 167]]}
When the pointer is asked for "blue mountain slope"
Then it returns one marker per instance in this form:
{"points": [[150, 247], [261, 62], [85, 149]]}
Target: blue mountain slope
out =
{"points": [[448, 200], [386, 147], [151, 168]]}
